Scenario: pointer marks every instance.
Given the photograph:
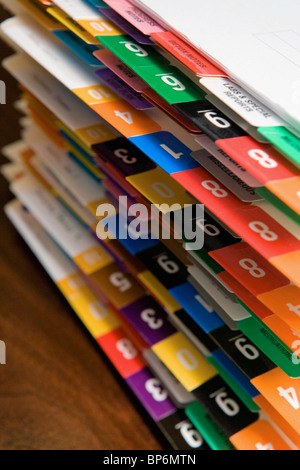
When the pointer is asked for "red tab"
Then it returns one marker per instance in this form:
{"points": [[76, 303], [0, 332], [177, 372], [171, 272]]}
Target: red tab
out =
{"points": [[262, 161], [262, 232], [122, 352], [260, 310], [249, 268], [187, 55], [209, 191]]}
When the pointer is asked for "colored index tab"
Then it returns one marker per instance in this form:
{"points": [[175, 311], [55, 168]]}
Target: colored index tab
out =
{"points": [[151, 394], [197, 307], [224, 406], [261, 160], [284, 140], [167, 151], [288, 191], [283, 393], [259, 436], [285, 302], [135, 16], [184, 361], [160, 189], [249, 268], [272, 346], [149, 319], [122, 352], [187, 55], [182, 433], [97, 318], [208, 428]]}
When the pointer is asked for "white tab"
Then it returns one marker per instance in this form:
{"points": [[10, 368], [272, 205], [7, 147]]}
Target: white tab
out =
{"points": [[50, 52], [241, 102], [57, 265], [61, 225]]}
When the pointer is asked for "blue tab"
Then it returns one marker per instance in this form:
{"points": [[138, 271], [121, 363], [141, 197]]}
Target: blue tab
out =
{"points": [[166, 150], [131, 245], [81, 48], [186, 295], [240, 378]]}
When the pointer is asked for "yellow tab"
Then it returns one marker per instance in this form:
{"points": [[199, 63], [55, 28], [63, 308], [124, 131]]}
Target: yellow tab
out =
{"points": [[96, 94], [92, 260], [97, 318], [96, 134], [159, 291], [100, 28], [74, 136], [72, 25], [39, 13], [184, 361], [160, 189]]}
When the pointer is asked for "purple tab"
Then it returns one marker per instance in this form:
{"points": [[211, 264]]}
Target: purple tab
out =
{"points": [[151, 393], [123, 24], [117, 85], [149, 319]]}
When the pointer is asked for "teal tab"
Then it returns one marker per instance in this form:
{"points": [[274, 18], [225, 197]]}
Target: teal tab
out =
{"points": [[270, 345], [278, 204], [208, 429], [286, 142]]}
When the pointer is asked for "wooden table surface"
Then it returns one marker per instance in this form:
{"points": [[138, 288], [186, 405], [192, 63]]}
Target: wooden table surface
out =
{"points": [[57, 390]]}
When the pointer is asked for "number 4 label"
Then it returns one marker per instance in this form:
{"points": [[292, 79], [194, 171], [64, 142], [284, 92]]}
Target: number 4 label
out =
{"points": [[127, 117], [290, 395]]}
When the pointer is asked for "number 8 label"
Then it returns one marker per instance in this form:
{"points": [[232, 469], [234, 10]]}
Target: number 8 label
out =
{"points": [[263, 230]]}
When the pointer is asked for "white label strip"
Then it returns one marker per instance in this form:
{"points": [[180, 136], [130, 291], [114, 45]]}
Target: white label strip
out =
{"points": [[50, 256], [61, 225], [241, 102]]}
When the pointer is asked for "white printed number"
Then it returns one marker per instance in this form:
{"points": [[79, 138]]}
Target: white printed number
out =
{"points": [[190, 434], [215, 188], [290, 395], [155, 388], [263, 158], [149, 316], [250, 265], [127, 349], [263, 230]]}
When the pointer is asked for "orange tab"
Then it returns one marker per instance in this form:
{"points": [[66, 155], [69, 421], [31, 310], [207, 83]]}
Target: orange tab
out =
{"points": [[288, 191], [285, 302], [283, 393], [289, 265], [260, 435], [127, 120], [265, 406]]}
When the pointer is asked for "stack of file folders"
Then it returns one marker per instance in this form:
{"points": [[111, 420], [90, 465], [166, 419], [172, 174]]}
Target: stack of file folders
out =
{"points": [[130, 132]]}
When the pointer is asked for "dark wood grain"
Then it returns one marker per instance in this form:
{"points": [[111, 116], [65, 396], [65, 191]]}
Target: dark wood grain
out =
{"points": [[57, 390]]}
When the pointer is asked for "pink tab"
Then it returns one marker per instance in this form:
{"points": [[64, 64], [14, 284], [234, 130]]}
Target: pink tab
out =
{"points": [[121, 70], [135, 16]]}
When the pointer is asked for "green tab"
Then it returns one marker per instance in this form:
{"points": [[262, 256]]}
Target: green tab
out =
{"points": [[243, 396], [133, 54], [270, 345], [148, 64], [170, 83], [208, 429], [276, 202], [284, 141]]}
